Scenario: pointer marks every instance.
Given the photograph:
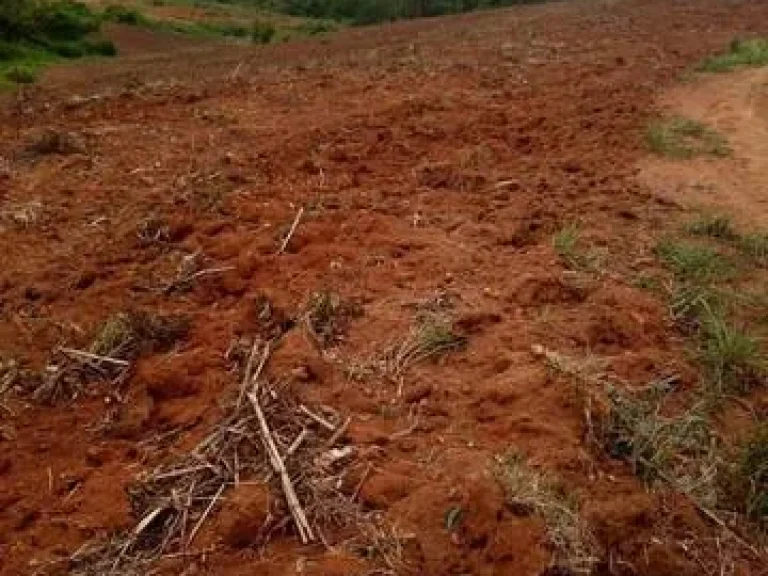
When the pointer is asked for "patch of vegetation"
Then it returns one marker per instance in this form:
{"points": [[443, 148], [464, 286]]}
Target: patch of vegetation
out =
{"points": [[733, 358], [262, 32], [693, 262], [35, 33], [714, 226], [682, 138], [753, 473], [327, 316], [632, 428], [568, 245], [127, 335], [754, 246], [530, 492], [690, 302], [372, 11], [741, 53], [123, 15]]}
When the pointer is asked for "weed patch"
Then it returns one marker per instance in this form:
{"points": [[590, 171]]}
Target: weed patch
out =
{"points": [[693, 262], [632, 428], [327, 316], [682, 138], [713, 226], [568, 245], [530, 492], [733, 358], [755, 247], [740, 54]]}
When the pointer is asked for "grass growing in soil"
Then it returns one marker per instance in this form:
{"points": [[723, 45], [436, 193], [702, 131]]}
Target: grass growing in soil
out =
{"points": [[732, 358], [569, 247], [753, 475], [530, 492], [693, 262], [713, 226], [633, 428], [682, 138], [740, 54]]}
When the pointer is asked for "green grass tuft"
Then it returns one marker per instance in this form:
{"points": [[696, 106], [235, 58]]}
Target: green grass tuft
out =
{"points": [[755, 247], [741, 53], [633, 429], [567, 244], [733, 358], [754, 468], [683, 138], [693, 262]]}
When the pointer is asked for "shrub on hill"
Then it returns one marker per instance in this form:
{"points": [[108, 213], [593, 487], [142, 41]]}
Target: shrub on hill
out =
{"points": [[34, 32]]}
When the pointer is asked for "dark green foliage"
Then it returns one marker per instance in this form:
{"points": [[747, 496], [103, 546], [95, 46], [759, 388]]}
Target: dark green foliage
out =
{"points": [[262, 32], [123, 15], [35, 32], [371, 11]]}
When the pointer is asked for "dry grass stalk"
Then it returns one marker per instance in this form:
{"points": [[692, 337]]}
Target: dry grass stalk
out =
{"points": [[430, 338], [291, 231], [190, 271], [529, 491]]}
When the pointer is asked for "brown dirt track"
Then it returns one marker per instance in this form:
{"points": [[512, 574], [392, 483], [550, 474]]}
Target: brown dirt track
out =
{"points": [[434, 158]]}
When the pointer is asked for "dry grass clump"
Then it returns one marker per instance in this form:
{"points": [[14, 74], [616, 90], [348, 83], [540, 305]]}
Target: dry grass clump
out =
{"points": [[153, 230], [56, 142], [327, 316], [531, 492], [120, 340], [22, 215], [570, 248], [432, 336], [633, 428]]}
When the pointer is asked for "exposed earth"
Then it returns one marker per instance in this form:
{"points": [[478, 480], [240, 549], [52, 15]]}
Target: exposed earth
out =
{"points": [[434, 160]]}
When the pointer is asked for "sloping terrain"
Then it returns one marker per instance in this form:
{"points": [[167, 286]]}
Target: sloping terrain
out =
{"points": [[373, 215]]}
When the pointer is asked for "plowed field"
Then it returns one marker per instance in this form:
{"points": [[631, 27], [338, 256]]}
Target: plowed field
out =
{"points": [[414, 310]]}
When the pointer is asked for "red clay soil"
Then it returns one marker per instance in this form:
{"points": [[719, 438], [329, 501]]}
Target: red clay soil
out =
{"points": [[434, 160]]}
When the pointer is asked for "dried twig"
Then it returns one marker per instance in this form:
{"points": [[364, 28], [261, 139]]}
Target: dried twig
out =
{"points": [[95, 357], [206, 513], [317, 418], [288, 236], [247, 377], [299, 516]]}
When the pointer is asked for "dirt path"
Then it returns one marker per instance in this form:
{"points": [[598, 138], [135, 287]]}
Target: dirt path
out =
{"points": [[434, 160], [736, 105]]}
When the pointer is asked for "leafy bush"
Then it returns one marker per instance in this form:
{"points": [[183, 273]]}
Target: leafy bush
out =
{"points": [[35, 32]]}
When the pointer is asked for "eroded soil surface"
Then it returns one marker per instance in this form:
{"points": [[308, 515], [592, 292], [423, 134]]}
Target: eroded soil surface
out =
{"points": [[434, 161]]}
